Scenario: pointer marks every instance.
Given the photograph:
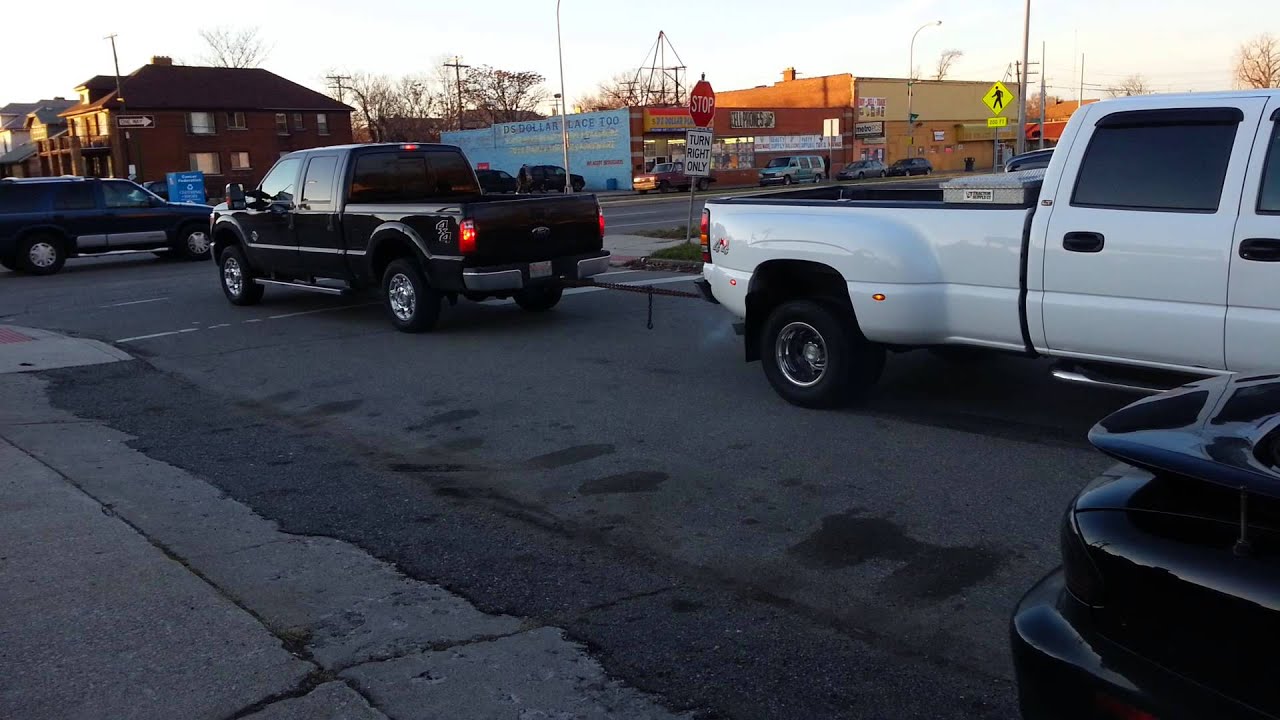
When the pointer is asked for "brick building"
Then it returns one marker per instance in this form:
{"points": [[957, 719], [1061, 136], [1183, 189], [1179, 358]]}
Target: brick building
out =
{"points": [[230, 123], [950, 123]]}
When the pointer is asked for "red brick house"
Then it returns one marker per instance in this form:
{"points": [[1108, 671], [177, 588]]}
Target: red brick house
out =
{"points": [[230, 123]]}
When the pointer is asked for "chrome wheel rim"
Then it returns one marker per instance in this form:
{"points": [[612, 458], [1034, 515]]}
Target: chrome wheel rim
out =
{"points": [[801, 354], [233, 276], [403, 298], [42, 254], [198, 243]]}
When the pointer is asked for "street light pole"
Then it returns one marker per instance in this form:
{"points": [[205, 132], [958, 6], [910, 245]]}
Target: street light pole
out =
{"points": [[564, 123], [128, 139], [911, 71], [1022, 81]]}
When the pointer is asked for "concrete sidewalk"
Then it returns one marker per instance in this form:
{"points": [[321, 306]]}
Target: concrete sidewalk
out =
{"points": [[134, 589], [625, 248]]}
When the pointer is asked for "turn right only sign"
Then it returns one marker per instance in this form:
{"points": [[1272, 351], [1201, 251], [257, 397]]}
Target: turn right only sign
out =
{"points": [[697, 153]]}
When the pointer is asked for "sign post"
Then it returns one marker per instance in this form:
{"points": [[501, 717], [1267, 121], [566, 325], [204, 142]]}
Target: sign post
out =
{"points": [[697, 147], [997, 100]]}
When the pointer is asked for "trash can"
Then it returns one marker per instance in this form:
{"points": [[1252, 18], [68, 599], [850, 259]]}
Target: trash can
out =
{"points": [[611, 184], [968, 164]]}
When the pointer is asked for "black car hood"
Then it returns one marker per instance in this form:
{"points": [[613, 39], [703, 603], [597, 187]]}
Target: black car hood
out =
{"points": [[1223, 430]]}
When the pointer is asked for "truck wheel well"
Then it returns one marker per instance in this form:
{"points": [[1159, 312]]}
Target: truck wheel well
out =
{"points": [[392, 248], [779, 281], [223, 238]]}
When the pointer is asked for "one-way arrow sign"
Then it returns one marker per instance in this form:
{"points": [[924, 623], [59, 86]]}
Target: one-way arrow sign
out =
{"points": [[136, 121]]}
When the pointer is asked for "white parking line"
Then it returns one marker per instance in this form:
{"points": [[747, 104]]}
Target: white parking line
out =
{"points": [[156, 335], [135, 302], [321, 310], [570, 291]]}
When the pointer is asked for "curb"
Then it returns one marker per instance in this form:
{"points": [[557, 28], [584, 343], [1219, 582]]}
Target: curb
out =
{"points": [[647, 263]]}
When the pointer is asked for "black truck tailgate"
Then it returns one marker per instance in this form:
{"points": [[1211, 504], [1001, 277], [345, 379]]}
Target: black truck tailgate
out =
{"points": [[527, 229]]}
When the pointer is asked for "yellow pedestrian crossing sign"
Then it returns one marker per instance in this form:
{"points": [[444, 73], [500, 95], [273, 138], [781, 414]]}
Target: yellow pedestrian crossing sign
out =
{"points": [[998, 98]]}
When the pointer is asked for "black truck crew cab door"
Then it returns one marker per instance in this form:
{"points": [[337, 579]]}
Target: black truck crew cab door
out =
{"points": [[316, 224], [268, 221]]}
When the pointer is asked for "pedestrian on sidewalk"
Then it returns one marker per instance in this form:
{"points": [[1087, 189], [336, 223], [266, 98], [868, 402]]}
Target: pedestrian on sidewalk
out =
{"points": [[524, 183]]}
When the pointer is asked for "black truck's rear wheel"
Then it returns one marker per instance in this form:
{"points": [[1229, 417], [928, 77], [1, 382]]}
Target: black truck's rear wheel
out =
{"points": [[815, 358], [539, 299], [412, 304]]}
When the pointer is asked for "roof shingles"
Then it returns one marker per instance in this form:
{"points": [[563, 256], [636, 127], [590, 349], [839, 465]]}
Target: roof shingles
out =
{"points": [[191, 87]]}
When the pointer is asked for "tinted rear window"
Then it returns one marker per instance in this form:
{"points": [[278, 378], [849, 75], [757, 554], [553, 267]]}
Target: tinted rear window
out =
{"points": [[396, 177], [1168, 167], [73, 196], [21, 198]]}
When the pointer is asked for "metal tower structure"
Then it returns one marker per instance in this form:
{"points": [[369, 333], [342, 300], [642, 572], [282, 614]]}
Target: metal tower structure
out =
{"points": [[657, 83]]}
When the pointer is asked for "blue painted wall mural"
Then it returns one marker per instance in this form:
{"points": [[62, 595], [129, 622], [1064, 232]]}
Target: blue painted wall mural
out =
{"points": [[599, 146]]}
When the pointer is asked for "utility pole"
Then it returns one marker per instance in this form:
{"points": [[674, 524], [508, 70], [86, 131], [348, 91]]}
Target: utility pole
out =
{"points": [[457, 73], [1081, 103], [1022, 83], [128, 162], [1043, 97], [336, 85]]}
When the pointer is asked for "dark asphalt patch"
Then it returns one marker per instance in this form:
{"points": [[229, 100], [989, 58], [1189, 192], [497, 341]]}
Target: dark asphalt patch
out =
{"points": [[672, 630]]}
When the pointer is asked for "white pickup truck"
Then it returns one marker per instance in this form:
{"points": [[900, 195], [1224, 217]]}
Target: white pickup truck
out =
{"points": [[1150, 252]]}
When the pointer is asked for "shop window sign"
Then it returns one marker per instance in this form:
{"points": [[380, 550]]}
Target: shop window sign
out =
{"points": [[752, 119]]}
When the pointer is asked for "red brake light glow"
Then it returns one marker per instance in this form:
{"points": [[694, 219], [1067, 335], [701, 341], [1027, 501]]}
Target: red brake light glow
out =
{"points": [[601, 215], [410, 146], [704, 235], [467, 237]]}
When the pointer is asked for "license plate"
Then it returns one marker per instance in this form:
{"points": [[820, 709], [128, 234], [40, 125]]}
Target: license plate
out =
{"points": [[540, 269]]}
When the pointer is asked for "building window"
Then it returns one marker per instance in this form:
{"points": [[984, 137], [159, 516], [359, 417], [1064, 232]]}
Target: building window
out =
{"points": [[201, 123], [235, 121], [322, 124], [282, 123], [297, 122], [93, 126], [240, 160], [733, 153], [206, 163]]}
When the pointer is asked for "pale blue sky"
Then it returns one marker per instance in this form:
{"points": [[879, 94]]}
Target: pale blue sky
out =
{"points": [[1179, 45]]}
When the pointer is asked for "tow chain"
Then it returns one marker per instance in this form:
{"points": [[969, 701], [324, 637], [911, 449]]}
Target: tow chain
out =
{"points": [[648, 290]]}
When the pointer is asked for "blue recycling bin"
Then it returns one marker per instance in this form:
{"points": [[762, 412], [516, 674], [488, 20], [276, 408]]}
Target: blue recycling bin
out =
{"points": [[611, 184]]}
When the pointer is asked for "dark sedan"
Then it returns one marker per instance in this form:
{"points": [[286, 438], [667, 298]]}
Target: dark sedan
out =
{"points": [[1167, 604], [907, 167], [496, 181], [863, 169], [1034, 160]]}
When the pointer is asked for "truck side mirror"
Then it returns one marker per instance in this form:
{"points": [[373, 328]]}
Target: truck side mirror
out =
{"points": [[235, 196]]}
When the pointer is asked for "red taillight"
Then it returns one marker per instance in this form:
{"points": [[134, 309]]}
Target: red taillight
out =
{"points": [[467, 237], [600, 214], [704, 235], [410, 146]]}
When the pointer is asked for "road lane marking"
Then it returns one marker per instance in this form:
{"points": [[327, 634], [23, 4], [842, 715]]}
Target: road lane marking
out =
{"points": [[156, 335], [322, 310], [135, 302], [569, 291]]}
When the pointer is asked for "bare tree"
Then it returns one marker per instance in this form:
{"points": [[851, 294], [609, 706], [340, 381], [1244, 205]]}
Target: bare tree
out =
{"points": [[1135, 84], [234, 48], [373, 97], [1258, 63], [504, 95], [945, 61], [617, 92]]}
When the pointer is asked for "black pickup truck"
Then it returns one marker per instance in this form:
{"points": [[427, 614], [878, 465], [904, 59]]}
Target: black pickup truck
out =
{"points": [[409, 218]]}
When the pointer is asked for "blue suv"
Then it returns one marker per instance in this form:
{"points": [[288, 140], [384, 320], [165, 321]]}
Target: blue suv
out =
{"points": [[44, 221]]}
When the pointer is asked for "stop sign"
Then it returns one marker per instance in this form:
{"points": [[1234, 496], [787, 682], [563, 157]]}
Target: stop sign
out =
{"points": [[702, 103]]}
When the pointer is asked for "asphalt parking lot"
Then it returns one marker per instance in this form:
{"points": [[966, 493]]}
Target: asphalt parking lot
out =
{"points": [[738, 555]]}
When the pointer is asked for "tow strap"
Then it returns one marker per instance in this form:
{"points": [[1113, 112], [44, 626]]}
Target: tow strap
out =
{"points": [[648, 290]]}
